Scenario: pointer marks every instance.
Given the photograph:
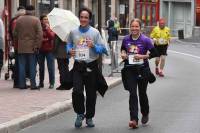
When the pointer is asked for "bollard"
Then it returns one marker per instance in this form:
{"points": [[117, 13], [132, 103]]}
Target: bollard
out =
{"points": [[180, 34], [114, 57]]}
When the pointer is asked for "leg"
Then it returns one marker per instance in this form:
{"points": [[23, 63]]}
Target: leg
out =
{"points": [[162, 62], [51, 68], [32, 69], [78, 99], [133, 102], [144, 102], [63, 71], [163, 53], [157, 61], [41, 62], [16, 72], [21, 69], [91, 96]]}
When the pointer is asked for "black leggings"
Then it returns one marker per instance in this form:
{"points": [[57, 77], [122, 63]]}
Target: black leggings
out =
{"points": [[134, 83]]}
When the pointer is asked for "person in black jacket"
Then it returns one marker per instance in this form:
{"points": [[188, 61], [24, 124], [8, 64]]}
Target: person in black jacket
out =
{"points": [[63, 62], [112, 33]]}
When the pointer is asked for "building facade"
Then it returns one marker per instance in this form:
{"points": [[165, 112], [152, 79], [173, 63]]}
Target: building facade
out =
{"points": [[147, 11], [180, 15]]}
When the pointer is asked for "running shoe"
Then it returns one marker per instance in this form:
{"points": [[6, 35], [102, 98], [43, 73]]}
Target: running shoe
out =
{"points": [[90, 122], [79, 120], [133, 124]]}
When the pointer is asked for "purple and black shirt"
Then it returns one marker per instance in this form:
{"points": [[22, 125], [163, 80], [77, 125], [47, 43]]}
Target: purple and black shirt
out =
{"points": [[138, 46]]}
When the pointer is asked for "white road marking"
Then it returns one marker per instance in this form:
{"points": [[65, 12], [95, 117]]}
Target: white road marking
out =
{"points": [[190, 55]]}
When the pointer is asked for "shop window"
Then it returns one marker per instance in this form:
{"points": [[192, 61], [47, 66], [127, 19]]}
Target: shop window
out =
{"points": [[147, 11], [123, 13], [23, 3], [138, 15], [45, 6], [107, 10]]}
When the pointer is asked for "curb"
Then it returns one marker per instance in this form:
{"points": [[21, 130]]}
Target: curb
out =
{"points": [[25, 121], [192, 43]]}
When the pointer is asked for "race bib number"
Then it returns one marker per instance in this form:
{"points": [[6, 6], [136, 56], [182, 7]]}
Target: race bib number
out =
{"points": [[82, 53], [133, 61], [161, 41]]}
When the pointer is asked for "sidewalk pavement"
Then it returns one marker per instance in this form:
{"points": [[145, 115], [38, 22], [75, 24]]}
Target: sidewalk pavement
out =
{"points": [[22, 108], [193, 40]]}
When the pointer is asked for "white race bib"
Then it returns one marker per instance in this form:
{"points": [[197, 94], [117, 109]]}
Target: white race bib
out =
{"points": [[82, 53], [133, 61], [161, 41]]}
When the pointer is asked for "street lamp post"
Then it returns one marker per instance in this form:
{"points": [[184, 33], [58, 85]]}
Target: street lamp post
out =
{"points": [[99, 28], [99, 16]]}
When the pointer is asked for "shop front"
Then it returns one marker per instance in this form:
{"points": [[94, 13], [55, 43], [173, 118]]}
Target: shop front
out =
{"points": [[196, 28], [6, 16], [147, 11], [197, 11], [45, 6]]}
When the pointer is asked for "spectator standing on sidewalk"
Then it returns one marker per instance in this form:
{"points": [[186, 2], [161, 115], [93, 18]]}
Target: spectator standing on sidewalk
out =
{"points": [[62, 60], [2, 34], [46, 51], [112, 33], [161, 37], [117, 26], [28, 33], [134, 52], [86, 73], [20, 11]]}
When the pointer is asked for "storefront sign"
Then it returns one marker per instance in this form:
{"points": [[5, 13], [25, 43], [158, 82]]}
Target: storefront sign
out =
{"points": [[122, 9]]}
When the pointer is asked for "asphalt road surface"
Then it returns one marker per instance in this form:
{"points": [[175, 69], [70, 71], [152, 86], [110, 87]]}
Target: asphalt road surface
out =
{"points": [[174, 102]]}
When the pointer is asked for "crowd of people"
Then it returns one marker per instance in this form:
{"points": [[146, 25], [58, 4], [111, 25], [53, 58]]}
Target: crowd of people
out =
{"points": [[34, 41]]}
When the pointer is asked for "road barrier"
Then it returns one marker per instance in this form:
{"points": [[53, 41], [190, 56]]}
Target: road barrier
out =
{"points": [[114, 57]]}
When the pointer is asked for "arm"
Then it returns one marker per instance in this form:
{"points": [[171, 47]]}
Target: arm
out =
{"points": [[50, 33], [169, 36], [97, 46], [153, 35], [152, 51], [39, 34], [100, 49], [70, 46], [123, 51]]}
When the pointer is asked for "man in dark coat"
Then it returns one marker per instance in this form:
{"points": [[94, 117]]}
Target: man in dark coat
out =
{"points": [[28, 34]]}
